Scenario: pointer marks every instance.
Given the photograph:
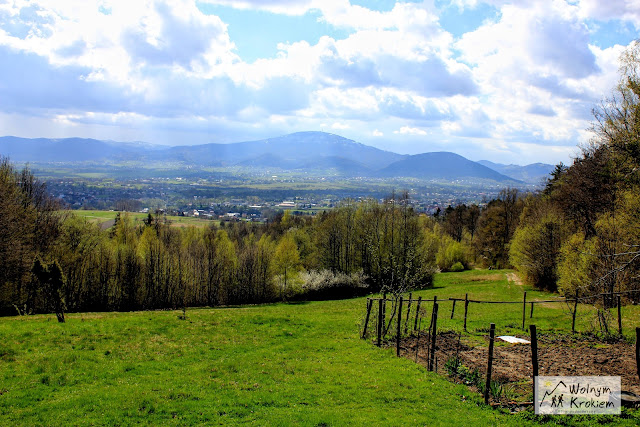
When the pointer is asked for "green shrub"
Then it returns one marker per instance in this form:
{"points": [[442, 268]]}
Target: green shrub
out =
{"points": [[450, 253], [457, 267], [452, 366]]}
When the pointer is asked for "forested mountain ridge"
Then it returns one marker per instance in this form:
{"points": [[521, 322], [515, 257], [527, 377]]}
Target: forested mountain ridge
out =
{"points": [[293, 150], [534, 173], [301, 152], [299, 148], [442, 165]]}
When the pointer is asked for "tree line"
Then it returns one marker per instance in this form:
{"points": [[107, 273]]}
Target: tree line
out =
{"points": [[55, 261], [581, 234]]}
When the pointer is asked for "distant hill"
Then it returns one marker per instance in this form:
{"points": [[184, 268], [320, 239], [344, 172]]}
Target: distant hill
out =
{"points": [[268, 160], [534, 173], [313, 152], [66, 150], [291, 151], [300, 147], [339, 165], [442, 165]]}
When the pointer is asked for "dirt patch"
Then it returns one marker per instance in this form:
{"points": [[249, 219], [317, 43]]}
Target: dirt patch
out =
{"points": [[559, 355], [514, 278], [484, 278], [107, 224]]}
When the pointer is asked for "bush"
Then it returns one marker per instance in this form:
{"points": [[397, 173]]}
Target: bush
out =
{"points": [[450, 253], [457, 267], [324, 284], [535, 250]]}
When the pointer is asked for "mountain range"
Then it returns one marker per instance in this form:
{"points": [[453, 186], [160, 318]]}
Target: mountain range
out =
{"points": [[534, 173], [302, 151]]}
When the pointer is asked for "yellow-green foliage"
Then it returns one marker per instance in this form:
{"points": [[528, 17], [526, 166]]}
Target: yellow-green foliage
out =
{"points": [[535, 248], [430, 245], [450, 253], [442, 250], [577, 258], [588, 264], [286, 263]]}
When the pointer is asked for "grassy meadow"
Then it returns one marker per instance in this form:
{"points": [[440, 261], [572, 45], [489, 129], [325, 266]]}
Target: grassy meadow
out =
{"points": [[100, 217], [278, 364], [504, 285]]}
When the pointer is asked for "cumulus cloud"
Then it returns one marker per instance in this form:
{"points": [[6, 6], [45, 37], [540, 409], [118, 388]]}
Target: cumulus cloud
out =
{"points": [[538, 73], [529, 74], [542, 110], [178, 40], [407, 106], [31, 85], [407, 130], [624, 10]]}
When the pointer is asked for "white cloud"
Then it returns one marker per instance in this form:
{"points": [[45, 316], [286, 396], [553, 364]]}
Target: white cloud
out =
{"points": [[120, 45], [529, 76], [625, 10], [406, 130], [538, 74]]}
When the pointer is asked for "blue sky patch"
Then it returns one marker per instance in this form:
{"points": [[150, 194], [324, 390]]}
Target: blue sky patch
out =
{"points": [[256, 33], [459, 22], [610, 33]]}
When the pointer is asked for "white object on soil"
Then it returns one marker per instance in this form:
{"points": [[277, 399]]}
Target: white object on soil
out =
{"points": [[513, 340]]}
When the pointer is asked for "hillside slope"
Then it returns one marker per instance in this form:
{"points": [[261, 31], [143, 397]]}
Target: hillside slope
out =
{"points": [[441, 165], [534, 173]]}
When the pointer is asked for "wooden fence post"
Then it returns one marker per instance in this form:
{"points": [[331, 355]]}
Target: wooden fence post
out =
{"points": [[619, 315], [415, 324], [366, 320], [487, 387], [453, 308], [524, 308], [434, 331], [638, 351], [429, 332], [384, 310], [575, 310], [466, 307], [534, 356], [406, 322], [399, 328], [417, 346], [380, 322], [531, 314]]}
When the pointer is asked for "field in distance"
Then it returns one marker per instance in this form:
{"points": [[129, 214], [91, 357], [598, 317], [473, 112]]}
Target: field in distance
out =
{"points": [[107, 218], [274, 364]]}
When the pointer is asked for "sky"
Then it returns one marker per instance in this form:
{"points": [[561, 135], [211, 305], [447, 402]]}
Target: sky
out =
{"points": [[506, 81]]}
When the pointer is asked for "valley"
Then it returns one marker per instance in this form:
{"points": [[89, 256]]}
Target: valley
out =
{"points": [[312, 170]]}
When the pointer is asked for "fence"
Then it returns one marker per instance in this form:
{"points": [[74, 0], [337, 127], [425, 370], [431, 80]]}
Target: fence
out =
{"points": [[610, 300], [400, 321]]}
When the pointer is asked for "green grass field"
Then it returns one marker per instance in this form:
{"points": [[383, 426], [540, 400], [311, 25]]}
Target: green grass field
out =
{"points": [[502, 285], [177, 221], [277, 364]]}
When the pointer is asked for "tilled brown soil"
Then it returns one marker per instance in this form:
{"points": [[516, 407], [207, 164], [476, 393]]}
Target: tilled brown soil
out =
{"points": [[512, 362]]}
